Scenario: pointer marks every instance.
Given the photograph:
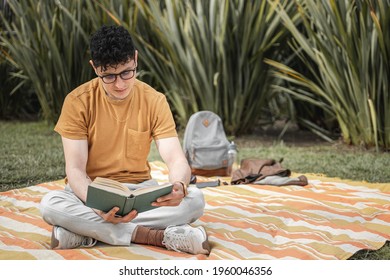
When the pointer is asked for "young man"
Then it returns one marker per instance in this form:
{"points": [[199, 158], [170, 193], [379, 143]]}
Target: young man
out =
{"points": [[107, 126]]}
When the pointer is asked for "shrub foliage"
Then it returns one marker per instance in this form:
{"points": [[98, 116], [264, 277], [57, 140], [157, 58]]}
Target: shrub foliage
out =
{"points": [[245, 60]]}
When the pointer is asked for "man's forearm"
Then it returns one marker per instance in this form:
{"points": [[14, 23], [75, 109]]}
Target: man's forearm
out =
{"points": [[180, 171], [78, 181]]}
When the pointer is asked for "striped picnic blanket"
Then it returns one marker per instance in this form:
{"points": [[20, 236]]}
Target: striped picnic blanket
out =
{"points": [[328, 219]]}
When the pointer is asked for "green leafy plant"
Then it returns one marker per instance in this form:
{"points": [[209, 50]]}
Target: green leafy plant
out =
{"points": [[15, 103], [47, 43], [208, 55], [345, 45]]}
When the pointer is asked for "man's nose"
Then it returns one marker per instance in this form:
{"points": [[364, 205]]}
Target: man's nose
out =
{"points": [[119, 82]]}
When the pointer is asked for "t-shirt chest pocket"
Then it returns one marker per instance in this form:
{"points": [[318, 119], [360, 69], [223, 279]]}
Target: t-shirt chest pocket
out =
{"points": [[138, 144]]}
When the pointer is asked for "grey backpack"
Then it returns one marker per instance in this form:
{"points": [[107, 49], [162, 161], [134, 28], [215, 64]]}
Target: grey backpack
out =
{"points": [[205, 144]]}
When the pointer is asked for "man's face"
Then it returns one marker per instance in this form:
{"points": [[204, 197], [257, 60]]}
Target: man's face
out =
{"points": [[118, 81]]}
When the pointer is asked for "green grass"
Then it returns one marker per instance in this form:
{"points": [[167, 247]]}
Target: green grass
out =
{"points": [[31, 153], [331, 160]]}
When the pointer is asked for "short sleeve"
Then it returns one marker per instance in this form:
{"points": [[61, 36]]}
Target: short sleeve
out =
{"points": [[164, 124], [72, 122]]}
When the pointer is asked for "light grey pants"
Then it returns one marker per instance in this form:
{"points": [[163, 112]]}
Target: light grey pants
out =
{"points": [[63, 208]]}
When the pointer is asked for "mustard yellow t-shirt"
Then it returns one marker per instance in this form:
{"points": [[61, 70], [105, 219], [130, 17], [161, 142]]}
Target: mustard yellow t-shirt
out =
{"points": [[119, 132]]}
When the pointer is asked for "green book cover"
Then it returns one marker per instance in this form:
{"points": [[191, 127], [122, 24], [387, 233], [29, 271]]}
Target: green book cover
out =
{"points": [[104, 194]]}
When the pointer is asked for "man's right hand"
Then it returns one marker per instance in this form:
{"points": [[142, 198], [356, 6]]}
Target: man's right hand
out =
{"points": [[111, 216]]}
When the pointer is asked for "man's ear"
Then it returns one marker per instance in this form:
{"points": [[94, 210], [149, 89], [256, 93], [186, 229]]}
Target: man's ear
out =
{"points": [[93, 66], [136, 57], [91, 62]]}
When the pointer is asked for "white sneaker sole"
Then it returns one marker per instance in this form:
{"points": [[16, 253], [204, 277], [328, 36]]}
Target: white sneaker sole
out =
{"points": [[205, 245]]}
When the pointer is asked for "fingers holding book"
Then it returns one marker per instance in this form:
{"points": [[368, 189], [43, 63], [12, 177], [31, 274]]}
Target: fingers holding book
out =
{"points": [[113, 218], [172, 199]]}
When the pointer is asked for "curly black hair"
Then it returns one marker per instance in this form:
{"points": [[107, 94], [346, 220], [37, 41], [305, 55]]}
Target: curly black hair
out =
{"points": [[111, 46]]}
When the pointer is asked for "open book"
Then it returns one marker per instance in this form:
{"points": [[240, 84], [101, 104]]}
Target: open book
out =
{"points": [[104, 194]]}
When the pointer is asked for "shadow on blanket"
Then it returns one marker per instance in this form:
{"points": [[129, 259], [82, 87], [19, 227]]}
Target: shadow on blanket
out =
{"points": [[327, 219]]}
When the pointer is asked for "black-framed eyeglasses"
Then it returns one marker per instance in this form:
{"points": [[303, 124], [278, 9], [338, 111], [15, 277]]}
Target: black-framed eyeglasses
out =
{"points": [[125, 75]]}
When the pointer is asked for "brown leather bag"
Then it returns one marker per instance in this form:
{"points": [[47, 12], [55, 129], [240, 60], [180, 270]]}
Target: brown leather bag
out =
{"points": [[252, 170], [210, 173]]}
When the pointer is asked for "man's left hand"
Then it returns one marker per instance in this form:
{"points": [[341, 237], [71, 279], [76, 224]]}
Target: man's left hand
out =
{"points": [[172, 199]]}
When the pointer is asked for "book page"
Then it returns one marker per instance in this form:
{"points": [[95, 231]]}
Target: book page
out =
{"points": [[105, 183], [110, 189], [150, 189]]}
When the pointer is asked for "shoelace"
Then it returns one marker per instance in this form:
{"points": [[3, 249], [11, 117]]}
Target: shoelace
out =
{"points": [[177, 242], [78, 240], [75, 240], [88, 242]]}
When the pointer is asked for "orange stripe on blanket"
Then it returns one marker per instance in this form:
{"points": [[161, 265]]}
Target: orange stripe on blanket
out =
{"points": [[324, 229], [285, 211], [301, 204], [291, 250], [34, 220], [266, 235], [15, 255], [272, 230], [330, 198], [278, 218], [20, 242], [115, 252], [345, 196], [74, 254], [58, 183], [22, 197], [99, 253], [170, 253]]}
